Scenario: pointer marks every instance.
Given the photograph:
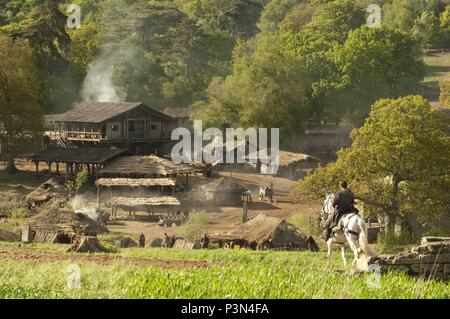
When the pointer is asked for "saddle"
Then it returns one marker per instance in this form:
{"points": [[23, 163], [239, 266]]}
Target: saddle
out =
{"points": [[340, 225]]}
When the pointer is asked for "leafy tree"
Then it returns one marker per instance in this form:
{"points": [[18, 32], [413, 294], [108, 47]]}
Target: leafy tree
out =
{"points": [[398, 164], [274, 13], [375, 63], [401, 14], [266, 89], [426, 29], [20, 112], [329, 27], [239, 17], [444, 97], [298, 17], [444, 23]]}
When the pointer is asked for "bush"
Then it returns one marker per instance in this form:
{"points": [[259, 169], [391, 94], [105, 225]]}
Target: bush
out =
{"points": [[196, 225], [8, 205], [20, 213], [392, 243], [305, 223], [445, 92], [82, 178]]}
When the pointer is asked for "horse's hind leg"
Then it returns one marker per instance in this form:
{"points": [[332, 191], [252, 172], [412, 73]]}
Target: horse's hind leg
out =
{"points": [[344, 259], [352, 241]]}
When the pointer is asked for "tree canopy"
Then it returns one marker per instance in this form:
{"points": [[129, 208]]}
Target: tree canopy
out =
{"points": [[20, 112], [397, 165]]}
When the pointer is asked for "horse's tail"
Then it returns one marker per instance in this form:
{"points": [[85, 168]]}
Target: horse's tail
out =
{"points": [[363, 243]]}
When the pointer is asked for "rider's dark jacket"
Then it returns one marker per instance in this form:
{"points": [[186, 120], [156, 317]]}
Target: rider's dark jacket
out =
{"points": [[343, 202]]}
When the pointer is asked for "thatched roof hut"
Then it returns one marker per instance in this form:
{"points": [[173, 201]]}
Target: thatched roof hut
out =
{"points": [[145, 201], [45, 192], [144, 167], [266, 232], [135, 182], [290, 164], [57, 222], [223, 190]]}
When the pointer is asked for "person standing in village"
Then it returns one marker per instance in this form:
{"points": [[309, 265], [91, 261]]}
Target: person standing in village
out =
{"points": [[142, 240], [172, 241], [204, 241], [166, 241]]}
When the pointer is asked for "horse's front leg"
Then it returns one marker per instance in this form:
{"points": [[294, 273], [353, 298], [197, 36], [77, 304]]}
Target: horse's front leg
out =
{"points": [[344, 258], [330, 249]]}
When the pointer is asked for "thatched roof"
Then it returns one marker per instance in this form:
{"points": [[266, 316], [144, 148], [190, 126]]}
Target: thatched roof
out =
{"points": [[58, 216], [286, 158], [145, 201], [223, 184], [179, 112], [8, 236], [135, 182], [46, 191], [144, 167], [267, 230], [97, 112], [81, 155]]}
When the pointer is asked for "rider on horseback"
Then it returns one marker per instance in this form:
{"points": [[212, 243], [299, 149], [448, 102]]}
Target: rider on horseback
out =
{"points": [[343, 203]]}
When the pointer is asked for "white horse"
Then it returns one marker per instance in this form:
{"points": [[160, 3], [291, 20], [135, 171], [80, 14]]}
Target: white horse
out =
{"points": [[354, 231]]}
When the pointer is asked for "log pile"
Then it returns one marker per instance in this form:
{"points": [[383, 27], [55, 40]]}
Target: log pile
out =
{"points": [[429, 260]]}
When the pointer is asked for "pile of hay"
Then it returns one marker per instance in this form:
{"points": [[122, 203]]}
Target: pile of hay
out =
{"points": [[265, 232], [57, 222], [45, 192]]}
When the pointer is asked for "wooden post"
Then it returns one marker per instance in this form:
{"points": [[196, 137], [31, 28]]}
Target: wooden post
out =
{"points": [[67, 171], [37, 167], [244, 212], [98, 195], [187, 181], [57, 168], [49, 168]]}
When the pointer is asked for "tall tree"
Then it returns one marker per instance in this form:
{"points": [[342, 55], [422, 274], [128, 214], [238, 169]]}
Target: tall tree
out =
{"points": [[374, 63], [398, 164], [20, 112]]}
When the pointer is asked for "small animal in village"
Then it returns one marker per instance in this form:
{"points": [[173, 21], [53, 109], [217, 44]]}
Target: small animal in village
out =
{"points": [[352, 229], [266, 193]]}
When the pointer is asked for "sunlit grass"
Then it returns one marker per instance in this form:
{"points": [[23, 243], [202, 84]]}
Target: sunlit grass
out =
{"points": [[232, 274]]}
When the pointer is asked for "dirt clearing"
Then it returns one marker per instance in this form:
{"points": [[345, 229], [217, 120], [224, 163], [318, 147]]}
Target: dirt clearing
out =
{"points": [[24, 254]]}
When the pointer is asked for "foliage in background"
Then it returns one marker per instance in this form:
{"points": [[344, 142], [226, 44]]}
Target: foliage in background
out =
{"points": [[20, 111], [397, 165], [444, 97], [196, 225], [82, 178], [308, 224]]}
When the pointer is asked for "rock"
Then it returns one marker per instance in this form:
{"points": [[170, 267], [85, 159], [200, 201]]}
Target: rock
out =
{"points": [[157, 242], [431, 239], [432, 248], [125, 242], [438, 258]]}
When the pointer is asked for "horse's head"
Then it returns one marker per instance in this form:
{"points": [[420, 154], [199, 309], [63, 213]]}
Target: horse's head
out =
{"points": [[327, 207]]}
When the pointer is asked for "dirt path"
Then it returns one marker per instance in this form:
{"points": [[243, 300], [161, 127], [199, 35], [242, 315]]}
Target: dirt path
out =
{"points": [[23, 254]]}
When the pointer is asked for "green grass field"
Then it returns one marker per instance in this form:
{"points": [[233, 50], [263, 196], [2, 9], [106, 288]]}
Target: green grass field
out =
{"points": [[231, 274], [437, 68]]}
